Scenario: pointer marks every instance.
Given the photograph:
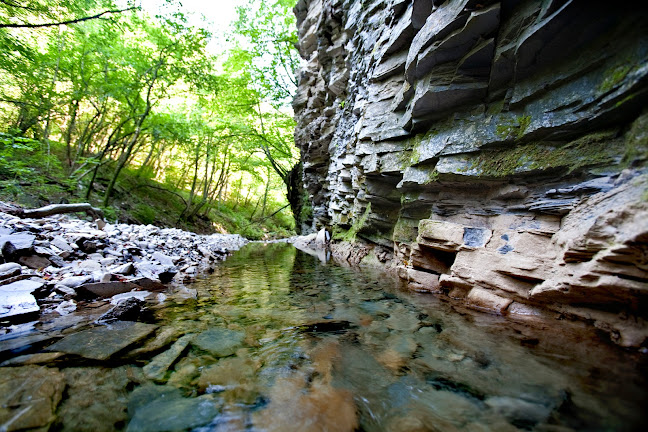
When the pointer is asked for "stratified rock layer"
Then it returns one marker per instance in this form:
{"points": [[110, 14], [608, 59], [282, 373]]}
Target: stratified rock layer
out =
{"points": [[497, 148]]}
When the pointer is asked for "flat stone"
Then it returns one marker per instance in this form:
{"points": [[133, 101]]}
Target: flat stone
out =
{"points": [[445, 236], [29, 396], [107, 289], [219, 342], [32, 359], [62, 244], [16, 298], [100, 343], [17, 303], [159, 365], [163, 259], [147, 393], [124, 269], [34, 261], [88, 265], [148, 284]]}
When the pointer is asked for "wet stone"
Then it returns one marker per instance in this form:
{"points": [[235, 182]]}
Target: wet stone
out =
{"points": [[157, 368], [220, 342], [173, 414], [100, 343], [32, 403], [128, 309], [143, 395]]}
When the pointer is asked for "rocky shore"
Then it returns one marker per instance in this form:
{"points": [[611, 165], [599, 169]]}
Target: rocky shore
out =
{"points": [[57, 265]]}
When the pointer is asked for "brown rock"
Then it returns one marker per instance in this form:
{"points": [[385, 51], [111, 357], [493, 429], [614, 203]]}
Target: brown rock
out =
{"points": [[486, 300], [29, 396], [106, 289]]}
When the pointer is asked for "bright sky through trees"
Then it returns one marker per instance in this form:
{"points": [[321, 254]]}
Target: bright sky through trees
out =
{"points": [[215, 15]]}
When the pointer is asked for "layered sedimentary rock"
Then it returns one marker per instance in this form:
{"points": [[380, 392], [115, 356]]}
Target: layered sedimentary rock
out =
{"points": [[492, 151]]}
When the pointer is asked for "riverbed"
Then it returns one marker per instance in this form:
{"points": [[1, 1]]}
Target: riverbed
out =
{"points": [[279, 340]]}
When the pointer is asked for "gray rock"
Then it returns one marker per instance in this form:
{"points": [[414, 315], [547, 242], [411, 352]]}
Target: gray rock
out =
{"points": [[128, 309], [102, 342], [75, 281], [62, 244], [15, 245], [163, 259], [147, 393], [124, 269], [220, 342], [9, 270], [520, 412], [17, 303]]}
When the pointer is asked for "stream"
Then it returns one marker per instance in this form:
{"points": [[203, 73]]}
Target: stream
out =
{"points": [[277, 340]]}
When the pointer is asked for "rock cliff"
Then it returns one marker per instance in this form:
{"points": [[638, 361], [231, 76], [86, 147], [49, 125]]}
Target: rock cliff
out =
{"points": [[493, 152]]}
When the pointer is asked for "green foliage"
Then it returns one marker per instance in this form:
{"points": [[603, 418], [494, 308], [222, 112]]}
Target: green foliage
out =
{"points": [[266, 40], [132, 104]]}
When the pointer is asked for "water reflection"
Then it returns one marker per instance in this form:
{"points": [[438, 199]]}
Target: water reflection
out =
{"points": [[277, 340]]}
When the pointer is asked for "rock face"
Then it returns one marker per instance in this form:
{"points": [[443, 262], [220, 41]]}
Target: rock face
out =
{"points": [[492, 151]]}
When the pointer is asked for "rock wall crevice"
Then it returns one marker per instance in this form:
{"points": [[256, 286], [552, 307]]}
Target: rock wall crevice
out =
{"points": [[497, 148]]}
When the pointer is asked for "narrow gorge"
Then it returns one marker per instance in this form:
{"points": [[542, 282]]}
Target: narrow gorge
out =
{"points": [[490, 152]]}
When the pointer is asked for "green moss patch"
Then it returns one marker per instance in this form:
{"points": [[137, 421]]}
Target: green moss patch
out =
{"points": [[592, 150]]}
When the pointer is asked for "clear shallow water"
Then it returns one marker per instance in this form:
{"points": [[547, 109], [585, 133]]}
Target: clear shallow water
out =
{"points": [[275, 340]]}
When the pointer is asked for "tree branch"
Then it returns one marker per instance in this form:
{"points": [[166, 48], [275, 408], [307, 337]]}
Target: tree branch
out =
{"points": [[74, 21]]}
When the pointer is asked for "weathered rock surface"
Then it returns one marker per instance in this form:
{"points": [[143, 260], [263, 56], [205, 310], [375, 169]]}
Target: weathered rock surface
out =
{"points": [[497, 150]]}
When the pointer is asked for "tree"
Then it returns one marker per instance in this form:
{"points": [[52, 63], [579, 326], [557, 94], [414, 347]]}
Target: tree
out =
{"points": [[266, 51]]}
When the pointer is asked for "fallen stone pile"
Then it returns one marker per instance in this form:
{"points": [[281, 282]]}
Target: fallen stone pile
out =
{"points": [[52, 264]]}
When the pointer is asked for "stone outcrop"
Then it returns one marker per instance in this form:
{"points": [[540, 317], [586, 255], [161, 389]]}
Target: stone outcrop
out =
{"points": [[497, 150]]}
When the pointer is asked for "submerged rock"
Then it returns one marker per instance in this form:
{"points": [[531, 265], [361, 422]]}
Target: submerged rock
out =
{"points": [[220, 342], [159, 365], [173, 414], [32, 403], [102, 342]]}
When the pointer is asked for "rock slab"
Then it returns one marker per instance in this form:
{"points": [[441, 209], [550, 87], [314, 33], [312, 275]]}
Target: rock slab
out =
{"points": [[100, 343]]}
